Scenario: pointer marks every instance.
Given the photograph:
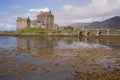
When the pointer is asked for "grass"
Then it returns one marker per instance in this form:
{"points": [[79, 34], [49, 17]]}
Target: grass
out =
{"points": [[32, 30], [43, 31]]}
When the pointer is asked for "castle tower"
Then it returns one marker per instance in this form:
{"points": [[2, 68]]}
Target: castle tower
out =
{"points": [[23, 23], [46, 19]]}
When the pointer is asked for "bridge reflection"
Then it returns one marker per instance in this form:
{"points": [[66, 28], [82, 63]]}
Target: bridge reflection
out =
{"points": [[114, 43]]}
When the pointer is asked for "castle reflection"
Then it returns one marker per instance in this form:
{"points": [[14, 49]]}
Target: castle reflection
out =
{"points": [[35, 45]]}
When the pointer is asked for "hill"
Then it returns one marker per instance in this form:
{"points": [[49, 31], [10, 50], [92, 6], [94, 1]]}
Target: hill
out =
{"points": [[79, 25], [111, 23]]}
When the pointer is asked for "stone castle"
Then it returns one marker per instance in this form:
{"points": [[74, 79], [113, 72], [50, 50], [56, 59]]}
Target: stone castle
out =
{"points": [[45, 20]]}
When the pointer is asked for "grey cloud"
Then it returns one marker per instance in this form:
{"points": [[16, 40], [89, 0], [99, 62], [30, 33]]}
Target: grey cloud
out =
{"points": [[96, 10]]}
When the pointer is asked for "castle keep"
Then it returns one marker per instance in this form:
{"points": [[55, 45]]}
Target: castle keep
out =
{"points": [[45, 20]]}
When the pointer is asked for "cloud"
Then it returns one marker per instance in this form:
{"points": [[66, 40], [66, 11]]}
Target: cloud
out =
{"points": [[95, 10], [38, 10], [6, 26], [33, 12], [15, 6], [8, 23]]}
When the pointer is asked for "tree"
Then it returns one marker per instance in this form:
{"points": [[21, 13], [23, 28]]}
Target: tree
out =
{"points": [[68, 28]]}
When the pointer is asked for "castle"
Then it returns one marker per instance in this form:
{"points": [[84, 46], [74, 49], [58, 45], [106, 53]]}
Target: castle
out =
{"points": [[45, 20]]}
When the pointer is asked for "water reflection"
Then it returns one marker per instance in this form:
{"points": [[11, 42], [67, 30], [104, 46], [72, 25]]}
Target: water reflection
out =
{"points": [[50, 43], [114, 43], [55, 58], [8, 42], [35, 45]]}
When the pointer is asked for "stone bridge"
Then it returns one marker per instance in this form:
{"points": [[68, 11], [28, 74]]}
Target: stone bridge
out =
{"points": [[98, 32]]}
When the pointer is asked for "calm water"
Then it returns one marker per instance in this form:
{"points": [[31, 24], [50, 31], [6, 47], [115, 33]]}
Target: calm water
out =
{"points": [[45, 58]]}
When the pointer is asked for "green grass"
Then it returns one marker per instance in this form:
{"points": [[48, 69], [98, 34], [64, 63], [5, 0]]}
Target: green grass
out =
{"points": [[43, 31], [31, 31]]}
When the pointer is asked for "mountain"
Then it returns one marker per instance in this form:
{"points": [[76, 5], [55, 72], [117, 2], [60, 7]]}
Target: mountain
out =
{"points": [[111, 23], [79, 25]]}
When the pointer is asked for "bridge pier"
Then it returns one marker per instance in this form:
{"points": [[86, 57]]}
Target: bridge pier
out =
{"points": [[97, 32], [108, 32]]}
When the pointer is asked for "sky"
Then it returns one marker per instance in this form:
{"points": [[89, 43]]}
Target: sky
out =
{"points": [[65, 11]]}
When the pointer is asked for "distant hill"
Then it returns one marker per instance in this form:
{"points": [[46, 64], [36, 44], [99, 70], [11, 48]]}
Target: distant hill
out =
{"points": [[111, 23], [79, 25]]}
